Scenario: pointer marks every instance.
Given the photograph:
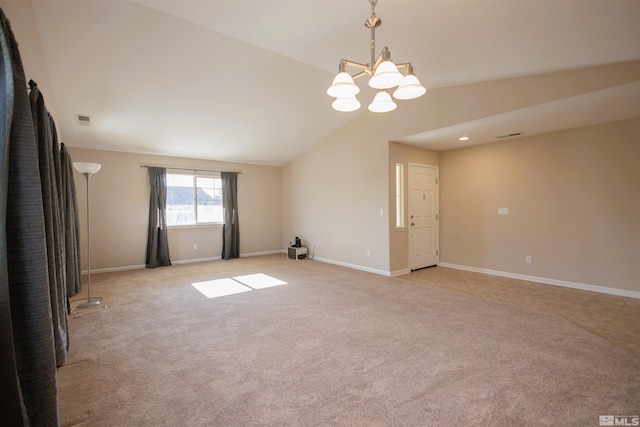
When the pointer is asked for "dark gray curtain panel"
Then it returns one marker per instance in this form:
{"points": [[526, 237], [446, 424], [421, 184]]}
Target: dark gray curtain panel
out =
{"points": [[28, 391], [51, 184], [231, 228], [157, 243], [71, 224]]}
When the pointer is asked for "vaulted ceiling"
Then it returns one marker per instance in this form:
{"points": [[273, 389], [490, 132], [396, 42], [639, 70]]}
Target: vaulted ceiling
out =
{"points": [[246, 81]]}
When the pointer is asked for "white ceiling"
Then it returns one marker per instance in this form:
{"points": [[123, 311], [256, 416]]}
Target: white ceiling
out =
{"points": [[245, 81]]}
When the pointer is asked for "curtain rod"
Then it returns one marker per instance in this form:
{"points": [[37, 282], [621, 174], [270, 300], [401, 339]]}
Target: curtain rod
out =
{"points": [[189, 169]]}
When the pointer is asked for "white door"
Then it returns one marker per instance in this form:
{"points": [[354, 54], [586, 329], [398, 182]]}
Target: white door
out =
{"points": [[423, 215]]}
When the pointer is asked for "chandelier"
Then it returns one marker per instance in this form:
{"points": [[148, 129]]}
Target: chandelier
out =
{"points": [[384, 76]]}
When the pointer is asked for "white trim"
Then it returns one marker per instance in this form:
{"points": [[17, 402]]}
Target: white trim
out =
{"points": [[110, 269], [279, 251], [139, 267], [354, 266], [195, 260], [199, 225], [400, 197], [400, 272], [183, 261], [555, 282]]}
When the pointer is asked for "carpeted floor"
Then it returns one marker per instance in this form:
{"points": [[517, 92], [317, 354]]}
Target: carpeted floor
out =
{"points": [[332, 346]]}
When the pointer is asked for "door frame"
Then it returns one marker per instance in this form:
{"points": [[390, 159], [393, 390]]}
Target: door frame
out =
{"points": [[437, 209]]}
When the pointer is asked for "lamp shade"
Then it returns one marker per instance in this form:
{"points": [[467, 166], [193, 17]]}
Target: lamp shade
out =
{"points": [[386, 76], [409, 88], [346, 104], [382, 103], [343, 85], [85, 167]]}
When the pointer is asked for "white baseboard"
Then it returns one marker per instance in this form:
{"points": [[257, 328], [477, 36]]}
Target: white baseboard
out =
{"points": [[400, 272], [279, 251], [110, 269], [178, 262], [555, 282], [354, 266], [547, 281], [195, 260]]}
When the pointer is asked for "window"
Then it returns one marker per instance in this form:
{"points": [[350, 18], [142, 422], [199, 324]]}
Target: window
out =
{"points": [[399, 195], [193, 199]]}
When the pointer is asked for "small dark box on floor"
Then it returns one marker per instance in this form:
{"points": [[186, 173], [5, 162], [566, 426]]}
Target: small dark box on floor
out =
{"points": [[297, 253]]}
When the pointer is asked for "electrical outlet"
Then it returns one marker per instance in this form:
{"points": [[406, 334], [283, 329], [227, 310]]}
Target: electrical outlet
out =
{"points": [[368, 253], [195, 247], [527, 259]]}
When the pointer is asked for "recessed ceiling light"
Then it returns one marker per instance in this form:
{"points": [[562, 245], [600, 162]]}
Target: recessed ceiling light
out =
{"points": [[463, 138]]}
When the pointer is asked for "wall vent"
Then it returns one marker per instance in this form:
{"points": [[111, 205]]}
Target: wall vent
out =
{"points": [[509, 135], [83, 120]]}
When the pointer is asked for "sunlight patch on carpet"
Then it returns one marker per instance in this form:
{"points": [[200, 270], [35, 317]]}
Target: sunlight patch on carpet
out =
{"points": [[229, 286], [259, 281], [220, 287]]}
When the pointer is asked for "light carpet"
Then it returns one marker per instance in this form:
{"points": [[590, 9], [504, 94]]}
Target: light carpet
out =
{"points": [[331, 347]]}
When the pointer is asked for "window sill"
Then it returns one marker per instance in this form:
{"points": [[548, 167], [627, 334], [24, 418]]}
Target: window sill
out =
{"points": [[209, 225]]}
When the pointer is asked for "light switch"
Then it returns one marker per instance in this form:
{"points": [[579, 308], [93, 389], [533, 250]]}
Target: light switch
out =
{"points": [[503, 211]]}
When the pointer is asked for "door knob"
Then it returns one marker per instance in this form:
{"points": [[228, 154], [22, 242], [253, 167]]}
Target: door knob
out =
{"points": [[413, 223]]}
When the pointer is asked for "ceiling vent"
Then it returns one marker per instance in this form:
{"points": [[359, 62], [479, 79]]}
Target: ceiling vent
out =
{"points": [[509, 135], [83, 120]]}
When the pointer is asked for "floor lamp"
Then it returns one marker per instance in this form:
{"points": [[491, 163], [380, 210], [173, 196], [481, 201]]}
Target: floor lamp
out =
{"points": [[88, 169]]}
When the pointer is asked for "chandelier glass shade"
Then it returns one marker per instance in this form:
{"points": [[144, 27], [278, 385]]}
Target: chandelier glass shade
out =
{"points": [[384, 75], [346, 103], [409, 88], [382, 103], [343, 85]]}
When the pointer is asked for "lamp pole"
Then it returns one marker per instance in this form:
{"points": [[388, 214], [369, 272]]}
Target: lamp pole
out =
{"points": [[88, 169]]}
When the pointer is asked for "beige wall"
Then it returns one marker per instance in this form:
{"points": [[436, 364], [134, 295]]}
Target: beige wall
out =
{"points": [[23, 25], [333, 194], [573, 199], [120, 210], [399, 238]]}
